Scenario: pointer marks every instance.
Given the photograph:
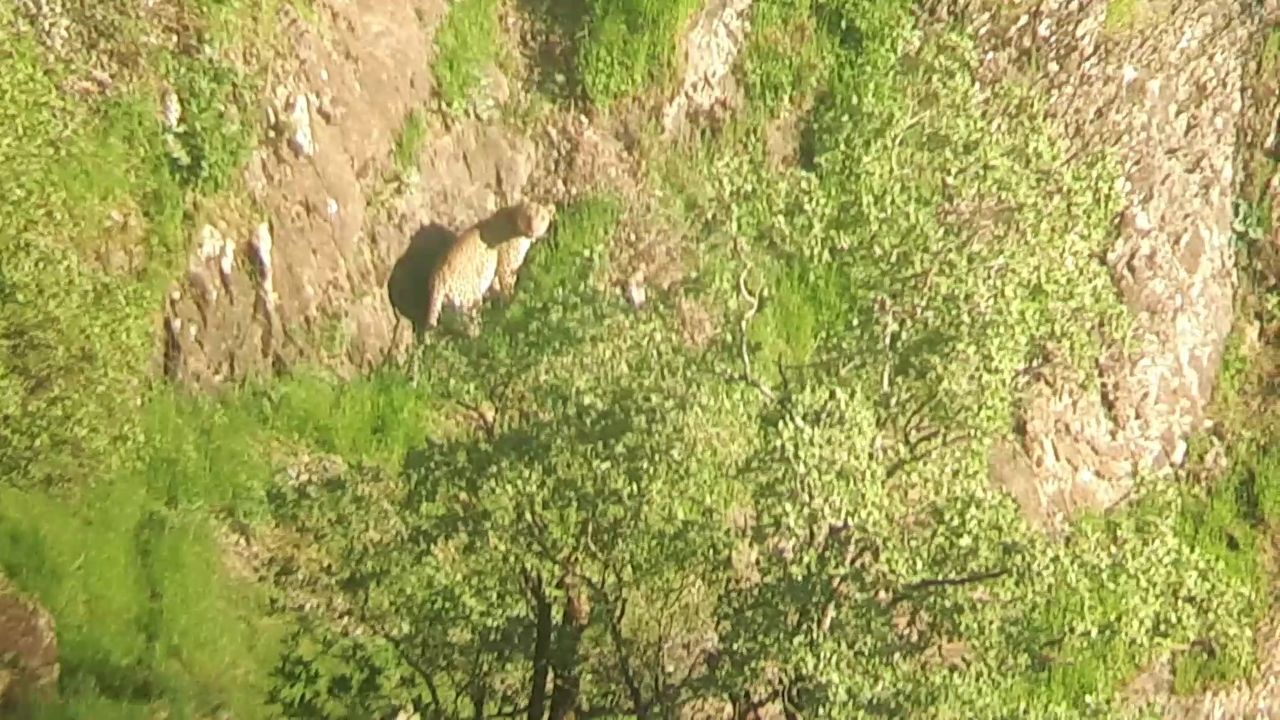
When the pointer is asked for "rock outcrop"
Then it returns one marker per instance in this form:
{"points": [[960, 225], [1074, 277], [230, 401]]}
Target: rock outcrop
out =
{"points": [[28, 650], [1165, 93]]}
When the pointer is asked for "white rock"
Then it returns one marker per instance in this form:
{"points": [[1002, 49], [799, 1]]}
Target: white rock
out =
{"points": [[635, 291], [172, 109], [211, 243], [228, 260], [302, 141]]}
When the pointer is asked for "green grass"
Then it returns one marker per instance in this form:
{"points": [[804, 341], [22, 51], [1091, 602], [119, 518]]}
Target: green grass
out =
{"points": [[468, 44], [609, 50], [74, 337], [409, 143], [134, 576], [132, 569], [1270, 60], [1125, 16], [630, 46], [110, 493], [375, 419], [68, 362], [1234, 519]]}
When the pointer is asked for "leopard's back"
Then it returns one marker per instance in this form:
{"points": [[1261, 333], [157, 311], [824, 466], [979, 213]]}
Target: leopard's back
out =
{"points": [[485, 257], [463, 277]]}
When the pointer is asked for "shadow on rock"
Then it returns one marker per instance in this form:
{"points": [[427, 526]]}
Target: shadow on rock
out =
{"points": [[411, 275]]}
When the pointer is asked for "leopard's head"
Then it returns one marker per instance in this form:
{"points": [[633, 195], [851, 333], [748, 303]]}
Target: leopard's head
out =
{"points": [[534, 219]]}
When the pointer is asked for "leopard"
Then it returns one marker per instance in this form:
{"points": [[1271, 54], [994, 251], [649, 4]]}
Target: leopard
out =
{"points": [[487, 254], [512, 254]]}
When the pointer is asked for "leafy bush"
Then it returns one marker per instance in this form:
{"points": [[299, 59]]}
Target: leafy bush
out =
{"points": [[625, 517]]}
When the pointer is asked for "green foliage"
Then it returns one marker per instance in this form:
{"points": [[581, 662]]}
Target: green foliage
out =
{"points": [[787, 59], [1123, 15], [376, 419], [133, 573], [597, 460], [467, 44], [1270, 60], [72, 340], [410, 141], [611, 50], [212, 140], [108, 491], [328, 674], [575, 494], [630, 45]]}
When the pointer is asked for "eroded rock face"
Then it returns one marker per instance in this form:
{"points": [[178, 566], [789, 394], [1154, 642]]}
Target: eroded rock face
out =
{"points": [[307, 278], [710, 50], [1165, 94], [339, 101], [28, 650]]}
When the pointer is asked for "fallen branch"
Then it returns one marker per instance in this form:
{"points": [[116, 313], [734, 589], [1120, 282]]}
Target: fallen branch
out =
{"points": [[914, 588], [743, 326]]}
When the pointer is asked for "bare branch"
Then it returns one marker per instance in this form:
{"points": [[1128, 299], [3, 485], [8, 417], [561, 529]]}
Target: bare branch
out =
{"points": [[851, 555], [753, 301], [639, 707], [913, 588], [915, 457], [487, 421]]}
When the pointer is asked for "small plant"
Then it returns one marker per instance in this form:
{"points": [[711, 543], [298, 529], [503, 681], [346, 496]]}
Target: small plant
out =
{"points": [[630, 45], [408, 146], [468, 44], [1128, 15]]}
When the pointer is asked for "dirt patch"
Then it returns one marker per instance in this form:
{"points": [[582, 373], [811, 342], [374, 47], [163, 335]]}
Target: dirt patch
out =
{"points": [[1167, 97], [28, 650]]}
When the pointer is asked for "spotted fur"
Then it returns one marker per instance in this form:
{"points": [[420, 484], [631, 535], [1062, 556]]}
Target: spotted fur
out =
{"points": [[511, 254], [487, 254]]}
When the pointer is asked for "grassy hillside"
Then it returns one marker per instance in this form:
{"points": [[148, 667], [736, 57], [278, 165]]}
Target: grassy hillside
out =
{"points": [[578, 493]]}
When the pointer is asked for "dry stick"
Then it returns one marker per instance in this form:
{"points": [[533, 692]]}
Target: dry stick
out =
{"points": [[754, 306], [829, 612], [754, 301], [911, 588]]}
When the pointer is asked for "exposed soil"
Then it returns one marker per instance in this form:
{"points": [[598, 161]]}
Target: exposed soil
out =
{"points": [[29, 666], [337, 273]]}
